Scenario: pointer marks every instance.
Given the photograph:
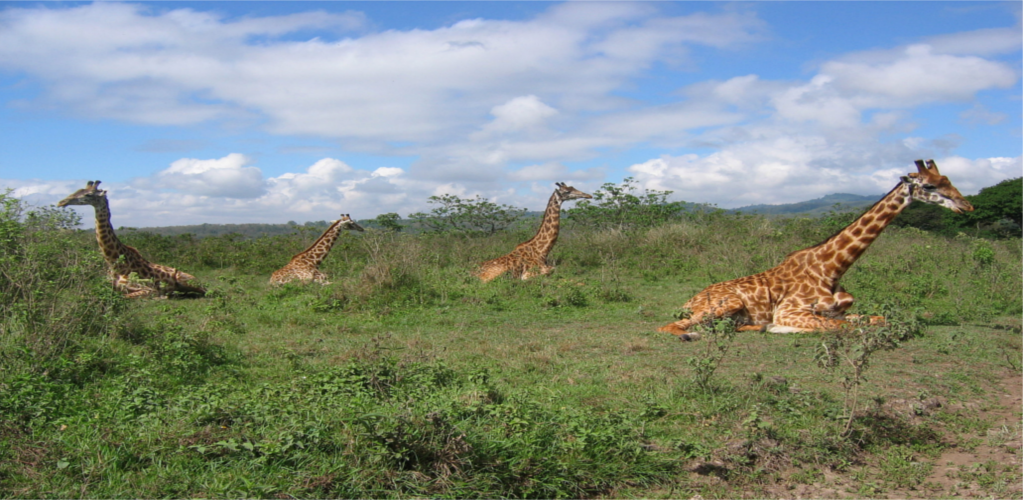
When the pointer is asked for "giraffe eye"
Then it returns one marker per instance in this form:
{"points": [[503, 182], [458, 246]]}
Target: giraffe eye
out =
{"points": [[928, 187]]}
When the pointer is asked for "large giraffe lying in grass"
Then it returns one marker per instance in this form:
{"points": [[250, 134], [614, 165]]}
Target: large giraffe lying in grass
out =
{"points": [[149, 280], [802, 293]]}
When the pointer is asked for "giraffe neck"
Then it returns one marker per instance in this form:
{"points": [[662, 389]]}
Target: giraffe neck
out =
{"points": [[839, 252], [111, 247], [548, 232], [318, 251]]}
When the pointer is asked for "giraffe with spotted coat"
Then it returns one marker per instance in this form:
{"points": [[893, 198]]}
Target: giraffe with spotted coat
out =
{"points": [[802, 293]]}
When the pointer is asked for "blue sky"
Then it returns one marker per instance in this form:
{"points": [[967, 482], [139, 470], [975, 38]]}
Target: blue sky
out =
{"points": [[217, 112]]}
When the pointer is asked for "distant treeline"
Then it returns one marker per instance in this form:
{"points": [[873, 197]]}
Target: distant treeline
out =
{"points": [[997, 214], [245, 230]]}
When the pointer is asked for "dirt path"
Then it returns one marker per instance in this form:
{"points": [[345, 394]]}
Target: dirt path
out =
{"points": [[989, 467], [964, 473]]}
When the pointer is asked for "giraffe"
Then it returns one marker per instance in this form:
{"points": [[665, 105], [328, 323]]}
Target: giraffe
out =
{"points": [[534, 252], [154, 280], [802, 293], [305, 265]]}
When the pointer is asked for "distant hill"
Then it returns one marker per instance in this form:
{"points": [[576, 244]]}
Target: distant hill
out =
{"points": [[820, 206]]}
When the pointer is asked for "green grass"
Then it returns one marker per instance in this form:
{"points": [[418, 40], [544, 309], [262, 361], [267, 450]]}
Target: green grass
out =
{"points": [[407, 377]]}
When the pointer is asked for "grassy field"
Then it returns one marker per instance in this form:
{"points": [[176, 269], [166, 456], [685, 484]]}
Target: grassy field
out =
{"points": [[407, 377]]}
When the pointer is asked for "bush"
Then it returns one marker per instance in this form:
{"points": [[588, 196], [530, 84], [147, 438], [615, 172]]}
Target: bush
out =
{"points": [[624, 207], [471, 215]]}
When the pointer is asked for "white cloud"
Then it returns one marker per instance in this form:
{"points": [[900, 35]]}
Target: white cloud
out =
{"points": [[388, 172], [918, 76], [791, 172], [554, 172], [979, 114], [230, 176], [519, 114], [476, 100], [989, 41], [144, 65], [845, 129], [970, 176]]}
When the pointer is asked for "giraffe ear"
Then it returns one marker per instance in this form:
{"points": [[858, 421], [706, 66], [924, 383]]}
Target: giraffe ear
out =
{"points": [[905, 178], [920, 166]]}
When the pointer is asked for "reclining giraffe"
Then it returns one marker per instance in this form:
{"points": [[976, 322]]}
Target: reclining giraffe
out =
{"points": [[305, 265], [802, 293], [534, 252], [154, 280]]}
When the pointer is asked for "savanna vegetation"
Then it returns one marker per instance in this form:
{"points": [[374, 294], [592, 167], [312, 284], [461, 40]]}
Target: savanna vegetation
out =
{"points": [[407, 377]]}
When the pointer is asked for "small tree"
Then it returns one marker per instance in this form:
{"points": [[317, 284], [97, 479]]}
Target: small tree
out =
{"points": [[846, 353], [717, 335], [473, 215], [389, 221], [624, 206]]}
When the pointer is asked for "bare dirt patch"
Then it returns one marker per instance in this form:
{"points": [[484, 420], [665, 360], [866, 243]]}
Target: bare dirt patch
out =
{"points": [[985, 465], [993, 465]]}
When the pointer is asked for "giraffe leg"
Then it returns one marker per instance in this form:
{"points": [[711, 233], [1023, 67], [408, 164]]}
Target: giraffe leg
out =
{"points": [[843, 301], [544, 270], [750, 328], [130, 289], [725, 305], [800, 321], [491, 269], [872, 320], [320, 278]]}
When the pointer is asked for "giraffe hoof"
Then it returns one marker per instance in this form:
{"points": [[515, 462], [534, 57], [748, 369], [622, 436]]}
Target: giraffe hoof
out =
{"points": [[689, 337]]}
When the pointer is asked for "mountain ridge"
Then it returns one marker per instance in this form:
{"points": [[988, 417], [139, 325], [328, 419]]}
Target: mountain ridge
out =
{"points": [[818, 206]]}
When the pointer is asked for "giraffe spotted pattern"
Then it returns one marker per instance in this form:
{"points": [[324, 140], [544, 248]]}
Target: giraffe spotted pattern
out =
{"points": [[802, 293], [305, 265], [129, 272], [531, 257]]}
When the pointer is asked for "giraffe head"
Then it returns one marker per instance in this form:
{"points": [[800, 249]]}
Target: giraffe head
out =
{"points": [[929, 186], [566, 193], [349, 224], [89, 195]]}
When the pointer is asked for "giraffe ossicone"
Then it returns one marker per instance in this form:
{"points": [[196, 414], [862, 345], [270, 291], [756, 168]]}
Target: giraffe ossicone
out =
{"points": [[802, 293], [129, 272], [305, 265], [532, 254]]}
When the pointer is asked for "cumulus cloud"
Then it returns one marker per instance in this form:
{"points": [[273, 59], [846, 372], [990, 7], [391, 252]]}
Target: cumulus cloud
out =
{"points": [[521, 114], [844, 129], [176, 195], [145, 65], [919, 75], [790, 172], [496, 108], [230, 176]]}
